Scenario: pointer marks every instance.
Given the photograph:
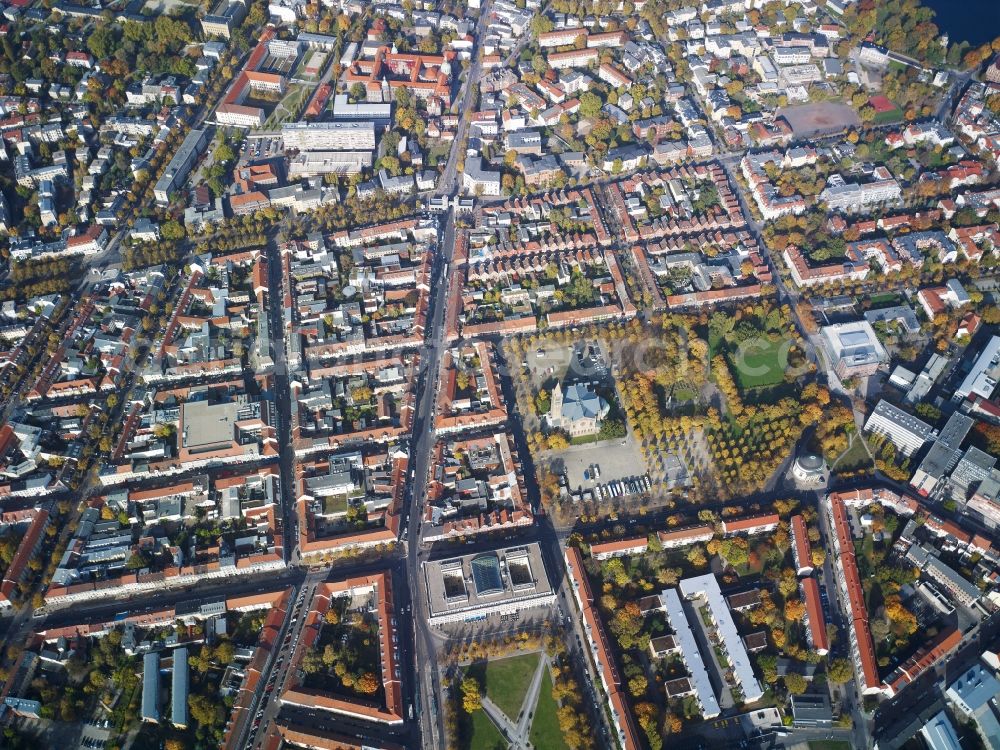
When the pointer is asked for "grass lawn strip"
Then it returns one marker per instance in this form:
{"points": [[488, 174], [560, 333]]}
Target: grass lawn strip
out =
{"points": [[507, 682], [829, 745], [545, 732], [485, 735]]}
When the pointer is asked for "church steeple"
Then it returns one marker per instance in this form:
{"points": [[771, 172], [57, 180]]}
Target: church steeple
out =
{"points": [[557, 401]]}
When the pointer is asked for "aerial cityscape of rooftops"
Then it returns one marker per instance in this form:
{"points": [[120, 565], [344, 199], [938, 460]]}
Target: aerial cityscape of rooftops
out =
{"points": [[498, 375]]}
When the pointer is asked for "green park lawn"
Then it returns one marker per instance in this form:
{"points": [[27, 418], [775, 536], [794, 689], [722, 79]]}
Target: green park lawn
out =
{"points": [[759, 365], [507, 681], [885, 298], [685, 394], [855, 457], [883, 118], [335, 504], [545, 731], [485, 735], [829, 745]]}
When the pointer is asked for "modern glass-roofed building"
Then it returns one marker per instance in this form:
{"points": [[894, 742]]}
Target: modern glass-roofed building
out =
{"points": [[487, 585], [486, 574]]}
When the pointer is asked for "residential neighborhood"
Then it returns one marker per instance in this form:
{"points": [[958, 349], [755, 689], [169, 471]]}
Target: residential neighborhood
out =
{"points": [[499, 374]]}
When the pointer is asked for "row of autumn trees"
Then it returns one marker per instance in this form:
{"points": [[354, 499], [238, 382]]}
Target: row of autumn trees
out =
{"points": [[747, 441], [35, 278]]}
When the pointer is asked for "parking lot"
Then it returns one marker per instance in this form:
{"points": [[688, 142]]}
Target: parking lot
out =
{"points": [[567, 363], [95, 736], [614, 460], [260, 148]]}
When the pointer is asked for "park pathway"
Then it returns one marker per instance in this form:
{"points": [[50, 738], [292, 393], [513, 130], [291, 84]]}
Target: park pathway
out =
{"points": [[517, 733]]}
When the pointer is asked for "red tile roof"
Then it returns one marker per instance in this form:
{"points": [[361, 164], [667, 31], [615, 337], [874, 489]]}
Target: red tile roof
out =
{"points": [[607, 549], [749, 525], [692, 533], [609, 670], [814, 614], [855, 596], [800, 540], [924, 659]]}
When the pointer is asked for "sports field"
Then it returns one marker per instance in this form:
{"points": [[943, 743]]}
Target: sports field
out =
{"points": [[817, 118]]}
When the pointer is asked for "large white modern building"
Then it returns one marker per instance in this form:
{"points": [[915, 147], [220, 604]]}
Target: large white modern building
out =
{"points": [[853, 348], [982, 378], [329, 136], [315, 163], [379, 113], [840, 195], [905, 431], [487, 585]]}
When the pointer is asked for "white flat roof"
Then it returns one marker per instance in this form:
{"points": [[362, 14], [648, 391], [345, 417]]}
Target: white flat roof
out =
{"points": [[855, 341], [706, 586], [483, 580], [982, 379], [689, 651], [939, 734]]}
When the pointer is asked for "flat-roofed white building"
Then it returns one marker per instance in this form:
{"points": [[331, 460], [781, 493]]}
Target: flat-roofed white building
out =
{"points": [[982, 378], [905, 431], [487, 585], [314, 163], [853, 348], [329, 136], [379, 113], [706, 588], [700, 682]]}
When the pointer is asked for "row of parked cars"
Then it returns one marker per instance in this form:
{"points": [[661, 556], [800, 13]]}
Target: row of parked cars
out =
{"points": [[623, 487]]}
